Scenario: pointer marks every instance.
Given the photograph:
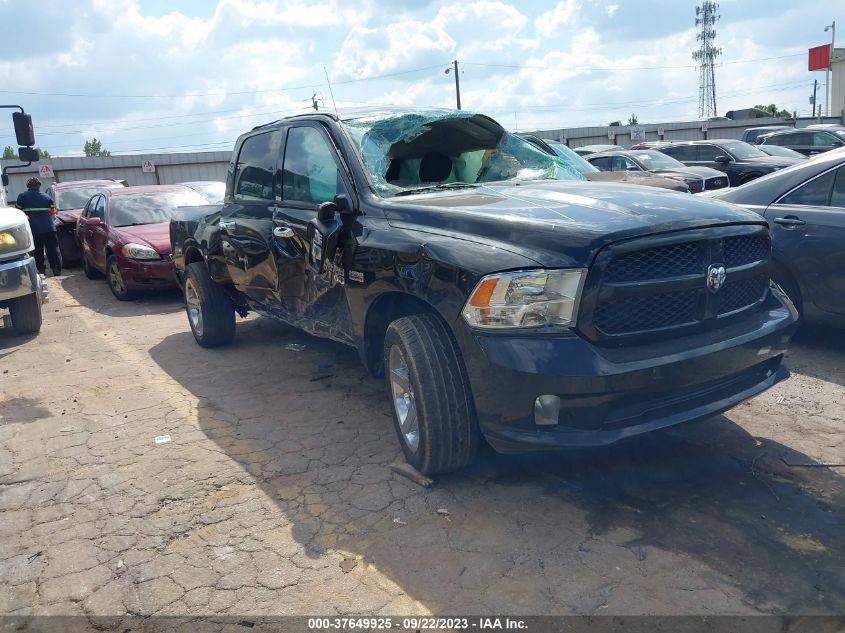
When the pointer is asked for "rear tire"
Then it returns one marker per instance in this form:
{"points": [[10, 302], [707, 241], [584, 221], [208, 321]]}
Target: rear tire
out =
{"points": [[433, 410], [26, 314], [89, 270], [115, 280], [211, 313]]}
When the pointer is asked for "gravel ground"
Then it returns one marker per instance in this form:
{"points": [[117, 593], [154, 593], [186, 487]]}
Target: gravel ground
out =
{"points": [[275, 496]]}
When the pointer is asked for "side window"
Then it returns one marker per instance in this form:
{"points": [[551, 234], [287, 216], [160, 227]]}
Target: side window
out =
{"points": [[779, 139], [86, 212], [255, 167], [680, 152], [815, 193], [709, 152], [310, 171], [799, 138], [837, 196], [602, 163], [629, 164], [100, 207], [822, 139]]}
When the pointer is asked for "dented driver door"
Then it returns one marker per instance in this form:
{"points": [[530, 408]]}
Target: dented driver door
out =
{"points": [[311, 279]]}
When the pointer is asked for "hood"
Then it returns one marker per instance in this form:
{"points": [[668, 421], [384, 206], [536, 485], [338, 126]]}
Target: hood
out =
{"points": [[697, 172], [774, 161], [69, 216], [156, 236], [642, 178], [559, 223]]}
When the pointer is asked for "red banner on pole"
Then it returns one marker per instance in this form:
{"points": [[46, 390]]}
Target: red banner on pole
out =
{"points": [[819, 58]]}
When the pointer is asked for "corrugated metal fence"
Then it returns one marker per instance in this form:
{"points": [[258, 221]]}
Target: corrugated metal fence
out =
{"points": [[678, 131], [169, 169]]}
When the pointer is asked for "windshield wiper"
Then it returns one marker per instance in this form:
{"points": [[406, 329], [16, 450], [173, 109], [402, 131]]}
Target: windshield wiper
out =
{"points": [[441, 187]]}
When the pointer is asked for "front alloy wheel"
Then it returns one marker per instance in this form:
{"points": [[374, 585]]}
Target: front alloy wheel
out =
{"points": [[116, 283], [403, 398]]}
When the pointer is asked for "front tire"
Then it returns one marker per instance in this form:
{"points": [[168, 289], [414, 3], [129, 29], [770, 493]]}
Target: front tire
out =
{"points": [[89, 270], [115, 280], [211, 314], [433, 410], [26, 314]]}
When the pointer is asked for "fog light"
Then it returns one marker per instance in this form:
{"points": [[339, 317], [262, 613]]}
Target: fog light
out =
{"points": [[546, 410]]}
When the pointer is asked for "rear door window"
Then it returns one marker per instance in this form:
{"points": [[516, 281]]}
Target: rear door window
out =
{"points": [[256, 166], [822, 139], [680, 152], [602, 163]]}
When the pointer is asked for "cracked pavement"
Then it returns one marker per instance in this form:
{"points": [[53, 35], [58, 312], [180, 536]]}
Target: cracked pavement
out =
{"points": [[275, 496]]}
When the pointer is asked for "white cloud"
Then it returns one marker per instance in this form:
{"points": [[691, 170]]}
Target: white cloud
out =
{"points": [[550, 22], [611, 9]]}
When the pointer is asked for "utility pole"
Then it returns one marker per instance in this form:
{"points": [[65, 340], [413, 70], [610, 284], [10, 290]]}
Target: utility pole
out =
{"points": [[831, 27], [813, 100], [314, 101], [457, 84]]}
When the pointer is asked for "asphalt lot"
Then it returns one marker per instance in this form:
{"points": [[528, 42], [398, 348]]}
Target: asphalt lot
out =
{"points": [[274, 495]]}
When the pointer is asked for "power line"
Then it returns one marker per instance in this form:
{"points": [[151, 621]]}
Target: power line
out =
{"points": [[217, 94], [617, 68]]}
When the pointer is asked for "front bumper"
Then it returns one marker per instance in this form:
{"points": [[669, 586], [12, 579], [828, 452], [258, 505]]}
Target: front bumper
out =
{"points": [[19, 278], [607, 395], [148, 274]]}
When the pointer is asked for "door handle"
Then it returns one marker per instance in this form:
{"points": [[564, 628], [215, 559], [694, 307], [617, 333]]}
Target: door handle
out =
{"points": [[227, 225], [789, 220], [283, 232]]}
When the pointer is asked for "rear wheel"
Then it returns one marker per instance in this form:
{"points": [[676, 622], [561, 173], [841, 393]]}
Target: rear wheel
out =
{"points": [[211, 314], [433, 411], [26, 314], [116, 283]]}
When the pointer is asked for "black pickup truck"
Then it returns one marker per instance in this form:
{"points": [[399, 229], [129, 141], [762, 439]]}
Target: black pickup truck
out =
{"points": [[501, 294]]}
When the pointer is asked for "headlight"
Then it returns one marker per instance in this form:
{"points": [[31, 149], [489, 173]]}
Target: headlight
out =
{"points": [[525, 299], [15, 239], [139, 251]]}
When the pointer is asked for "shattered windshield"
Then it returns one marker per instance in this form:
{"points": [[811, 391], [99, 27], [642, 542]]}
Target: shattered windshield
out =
{"points": [[412, 152]]}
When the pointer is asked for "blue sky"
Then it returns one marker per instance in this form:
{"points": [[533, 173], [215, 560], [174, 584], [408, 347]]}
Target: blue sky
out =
{"points": [[177, 76]]}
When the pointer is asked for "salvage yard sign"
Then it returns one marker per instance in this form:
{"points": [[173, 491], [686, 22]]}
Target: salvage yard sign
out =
{"points": [[637, 134], [46, 171], [148, 167]]}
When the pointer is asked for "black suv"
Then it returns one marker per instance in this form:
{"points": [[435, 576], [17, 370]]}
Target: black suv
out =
{"points": [[739, 160], [807, 142], [500, 293]]}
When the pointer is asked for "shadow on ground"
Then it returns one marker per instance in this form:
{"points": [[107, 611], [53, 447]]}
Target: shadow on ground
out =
{"points": [[819, 351], [705, 515], [95, 294]]}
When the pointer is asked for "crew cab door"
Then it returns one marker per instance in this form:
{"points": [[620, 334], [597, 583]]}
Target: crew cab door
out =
{"points": [[311, 278], [808, 233], [246, 223]]}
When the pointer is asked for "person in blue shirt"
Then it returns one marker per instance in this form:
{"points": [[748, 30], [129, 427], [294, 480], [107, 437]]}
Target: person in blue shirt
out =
{"points": [[38, 208]]}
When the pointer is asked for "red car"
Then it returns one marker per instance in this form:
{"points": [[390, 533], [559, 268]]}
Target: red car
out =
{"points": [[69, 198], [125, 234]]}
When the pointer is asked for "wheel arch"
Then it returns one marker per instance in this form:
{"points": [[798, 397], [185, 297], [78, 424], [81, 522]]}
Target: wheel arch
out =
{"points": [[383, 310]]}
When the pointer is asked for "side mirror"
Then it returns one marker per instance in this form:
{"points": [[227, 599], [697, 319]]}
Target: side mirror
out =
{"points": [[24, 132], [326, 211], [28, 155], [632, 168], [722, 160]]}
